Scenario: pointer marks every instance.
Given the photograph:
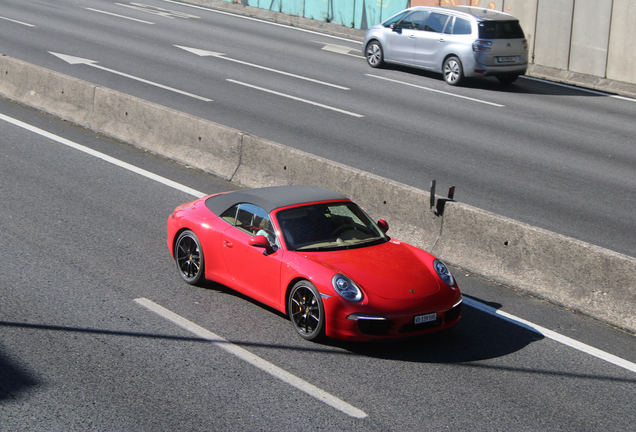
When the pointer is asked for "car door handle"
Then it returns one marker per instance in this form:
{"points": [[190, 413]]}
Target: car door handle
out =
{"points": [[411, 37], [227, 243], [440, 40]]}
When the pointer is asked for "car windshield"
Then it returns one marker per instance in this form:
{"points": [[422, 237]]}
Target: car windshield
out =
{"points": [[338, 225], [500, 30]]}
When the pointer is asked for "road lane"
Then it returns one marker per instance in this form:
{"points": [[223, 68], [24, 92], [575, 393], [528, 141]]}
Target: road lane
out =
{"points": [[87, 238], [549, 158]]}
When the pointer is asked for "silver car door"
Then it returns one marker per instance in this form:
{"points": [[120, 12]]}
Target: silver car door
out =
{"points": [[430, 41], [400, 42]]}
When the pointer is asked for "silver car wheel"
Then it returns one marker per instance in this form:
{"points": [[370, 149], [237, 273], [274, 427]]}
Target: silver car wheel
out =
{"points": [[453, 73], [375, 56]]}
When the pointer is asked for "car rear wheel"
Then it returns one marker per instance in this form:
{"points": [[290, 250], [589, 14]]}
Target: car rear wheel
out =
{"points": [[374, 54], [453, 71], [189, 257], [507, 79], [306, 311]]}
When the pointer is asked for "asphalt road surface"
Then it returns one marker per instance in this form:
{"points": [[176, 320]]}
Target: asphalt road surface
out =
{"points": [[88, 341], [552, 156]]}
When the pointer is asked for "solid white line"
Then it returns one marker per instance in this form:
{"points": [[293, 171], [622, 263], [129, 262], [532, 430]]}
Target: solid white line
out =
{"points": [[296, 98], [104, 157], [437, 91], [610, 358], [17, 22], [583, 89], [254, 360], [118, 16]]}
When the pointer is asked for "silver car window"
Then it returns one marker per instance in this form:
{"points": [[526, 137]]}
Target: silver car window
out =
{"points": [[436, 22], [412, 21], [462, 27]]}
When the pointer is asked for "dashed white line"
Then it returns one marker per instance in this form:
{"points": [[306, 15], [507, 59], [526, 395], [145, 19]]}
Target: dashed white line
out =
{"points": [[297, 98], [17, 22], [254, 360], [436, 91], [118, 16]]}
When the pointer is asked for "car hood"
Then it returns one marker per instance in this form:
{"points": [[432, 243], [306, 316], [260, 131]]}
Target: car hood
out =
{"points": [[391, 270]]}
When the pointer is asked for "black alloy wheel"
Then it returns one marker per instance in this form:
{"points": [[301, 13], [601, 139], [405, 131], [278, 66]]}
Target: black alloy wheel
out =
{"points": [[189, 257], [306, 311]]}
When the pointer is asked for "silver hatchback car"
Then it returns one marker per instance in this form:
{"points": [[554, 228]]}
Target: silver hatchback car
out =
{"points": [[457, 41]]}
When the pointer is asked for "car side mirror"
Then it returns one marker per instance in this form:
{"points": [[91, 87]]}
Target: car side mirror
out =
{"points": [[396, 28], [384, 225], [262, 242]]}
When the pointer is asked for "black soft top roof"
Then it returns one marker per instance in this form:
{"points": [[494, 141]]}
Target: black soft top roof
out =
{"points": [[271, 198]]}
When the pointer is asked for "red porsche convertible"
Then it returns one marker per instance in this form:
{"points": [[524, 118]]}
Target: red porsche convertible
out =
{"points": [[316, 256]]}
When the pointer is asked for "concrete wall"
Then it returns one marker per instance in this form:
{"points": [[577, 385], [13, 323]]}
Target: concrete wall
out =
{"points": [[580, 276]]}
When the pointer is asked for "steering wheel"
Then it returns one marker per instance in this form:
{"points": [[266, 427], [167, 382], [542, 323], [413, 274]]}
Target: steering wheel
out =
{"points": [[342, 228]]}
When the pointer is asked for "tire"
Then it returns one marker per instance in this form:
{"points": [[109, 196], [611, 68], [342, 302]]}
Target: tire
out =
{"points": [[507, 79], [374, 54], [453, 71], [188, 255], [306, 311]]}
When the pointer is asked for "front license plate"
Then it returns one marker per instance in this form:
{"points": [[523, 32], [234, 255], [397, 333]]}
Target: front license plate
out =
{"points": [[509, 59], [420, 319]]}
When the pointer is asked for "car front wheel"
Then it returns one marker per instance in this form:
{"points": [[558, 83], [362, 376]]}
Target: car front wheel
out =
{"points": [[189, 257], [453, 71], [306, 311], [374, 54]]}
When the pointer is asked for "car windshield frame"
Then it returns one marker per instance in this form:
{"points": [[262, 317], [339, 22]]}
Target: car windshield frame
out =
{"points": [[327, 226]]}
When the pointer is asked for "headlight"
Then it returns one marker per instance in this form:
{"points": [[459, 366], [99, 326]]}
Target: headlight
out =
{"points": [[347, 289], [444, 273]]}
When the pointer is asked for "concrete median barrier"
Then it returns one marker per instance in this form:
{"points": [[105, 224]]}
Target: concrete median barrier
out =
{"points": [[580, 276]]}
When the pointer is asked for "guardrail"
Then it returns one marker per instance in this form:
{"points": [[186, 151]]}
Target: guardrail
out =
{"points": [[595, 281]]}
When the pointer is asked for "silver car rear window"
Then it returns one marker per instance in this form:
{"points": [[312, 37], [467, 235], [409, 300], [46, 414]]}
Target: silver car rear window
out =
{"points": [[500, 30]]}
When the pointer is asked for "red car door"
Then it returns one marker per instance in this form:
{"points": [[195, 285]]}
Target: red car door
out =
{"points": [[253, 269]]}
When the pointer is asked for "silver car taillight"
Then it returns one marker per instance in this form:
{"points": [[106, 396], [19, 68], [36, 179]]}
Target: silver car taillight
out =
{"points": [[525, 45], [481, 45]]}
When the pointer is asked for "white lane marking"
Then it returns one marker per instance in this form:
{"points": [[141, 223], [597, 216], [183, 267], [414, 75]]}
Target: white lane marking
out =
{"points": [[287, 26], [93, 63], [436, 91], [583, 89], [472, 303], [166, 13], [17, 22], [296, 98], [118, 16], [552, 335], [254, 360], [103, 157], [204, 53], [340, 49]]}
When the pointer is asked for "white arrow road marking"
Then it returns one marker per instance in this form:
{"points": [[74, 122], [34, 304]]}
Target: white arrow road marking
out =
{"points": [[254, 360], [93, 63], [204, 53], [296, 98], [340, 49]]}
